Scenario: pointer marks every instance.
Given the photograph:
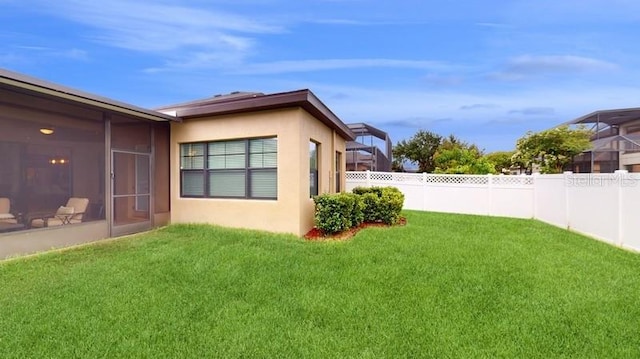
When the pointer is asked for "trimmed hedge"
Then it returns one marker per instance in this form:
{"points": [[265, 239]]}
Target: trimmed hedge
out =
{"points": [[338, 212], [341, 211], [382, 204]]}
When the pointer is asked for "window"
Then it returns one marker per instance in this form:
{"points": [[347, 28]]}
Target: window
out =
{"points": [[338, 173], [244, 168], [313, 168]]}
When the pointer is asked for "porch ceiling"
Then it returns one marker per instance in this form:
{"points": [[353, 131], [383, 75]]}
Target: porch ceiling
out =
{"points": [[22, 82]]}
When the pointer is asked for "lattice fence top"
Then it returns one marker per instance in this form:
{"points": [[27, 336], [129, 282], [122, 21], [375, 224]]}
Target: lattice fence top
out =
{"points": [[512, 180], [356, 176], [391, 178], [456, 179]]}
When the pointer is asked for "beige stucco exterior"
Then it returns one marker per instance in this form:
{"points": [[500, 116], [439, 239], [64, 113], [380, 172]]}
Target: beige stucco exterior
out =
{"points": [[294, 128]]}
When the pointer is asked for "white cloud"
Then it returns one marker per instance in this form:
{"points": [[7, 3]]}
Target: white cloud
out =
{"points": [[39, 52], [279, 67], [534, 111], [177, 32], [479, 106], [526, 66]]}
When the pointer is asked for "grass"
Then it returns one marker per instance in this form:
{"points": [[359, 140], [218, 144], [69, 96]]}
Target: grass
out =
{"points": [[442, 286]]}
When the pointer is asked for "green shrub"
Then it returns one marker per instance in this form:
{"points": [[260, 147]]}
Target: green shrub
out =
{"points": [[337, 212], [341, 211], [382, 204], [371, 203], [391, 203], [357, 209]]}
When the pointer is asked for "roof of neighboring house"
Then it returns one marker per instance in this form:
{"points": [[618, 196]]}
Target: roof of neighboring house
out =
{"points": [[20, 81], [367, 129], [242, 102], [610, 117]]}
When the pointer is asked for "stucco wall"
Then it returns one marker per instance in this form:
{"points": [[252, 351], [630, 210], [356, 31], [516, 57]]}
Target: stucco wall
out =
{"points": [[292, 212], [330, 142]]}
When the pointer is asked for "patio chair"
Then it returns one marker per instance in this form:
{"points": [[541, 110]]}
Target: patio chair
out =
{"points": [[71, 213], [5, 211]]}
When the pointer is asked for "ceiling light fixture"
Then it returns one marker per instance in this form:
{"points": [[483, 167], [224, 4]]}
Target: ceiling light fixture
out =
{"points": [[46, 131]]}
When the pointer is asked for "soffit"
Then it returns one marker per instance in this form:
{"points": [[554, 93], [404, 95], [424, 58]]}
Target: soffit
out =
{"points": [[26, 83]]}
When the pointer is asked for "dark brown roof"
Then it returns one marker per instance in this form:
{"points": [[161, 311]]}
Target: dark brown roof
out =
{"points": [[16, 80], [242, 102], [610, 117]]}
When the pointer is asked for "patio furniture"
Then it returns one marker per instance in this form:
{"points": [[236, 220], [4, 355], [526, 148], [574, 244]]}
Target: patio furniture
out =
{"points": [[72, 212], [5, 214]]}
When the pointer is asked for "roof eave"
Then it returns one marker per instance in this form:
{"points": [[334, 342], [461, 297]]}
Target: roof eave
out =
{"points": [[28, 83], [301, 98]]}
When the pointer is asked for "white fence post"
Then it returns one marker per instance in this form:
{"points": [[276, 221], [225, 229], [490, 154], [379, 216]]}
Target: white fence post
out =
{"points": [[534, 195], [490, 194], [567, 200], [368, 181], [424, 191]]}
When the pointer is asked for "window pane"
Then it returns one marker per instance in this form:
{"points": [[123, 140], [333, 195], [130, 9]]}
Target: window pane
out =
{"points": [[234, 147], [227, 184], [264, 184], [216, 148], [216, 162], [270, 160], [313, 168], [192, 156], [256, 146], [235, 161], [263, 153], [255, 160], [229, 161], [270, 145], [338, 173], [192, 183], [263, 145], [227, 154], [266, 160]]}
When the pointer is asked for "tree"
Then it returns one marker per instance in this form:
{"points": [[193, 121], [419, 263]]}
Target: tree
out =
{"points": [[456, 156], [419, 150], [552, 149], [501, 160]]}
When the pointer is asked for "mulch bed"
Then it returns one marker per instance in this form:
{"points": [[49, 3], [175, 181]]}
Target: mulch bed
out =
{"points": [[317, 235]]}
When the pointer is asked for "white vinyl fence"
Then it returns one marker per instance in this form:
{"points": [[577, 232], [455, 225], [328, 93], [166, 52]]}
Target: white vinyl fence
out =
{"points": [[604, 206]]}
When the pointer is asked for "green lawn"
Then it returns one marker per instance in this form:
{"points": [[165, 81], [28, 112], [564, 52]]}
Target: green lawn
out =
{"points": [[442, 286]]}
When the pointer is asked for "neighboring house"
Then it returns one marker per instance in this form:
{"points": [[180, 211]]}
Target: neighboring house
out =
{"points": [[140, 168], [370, 151], [616, 143]]}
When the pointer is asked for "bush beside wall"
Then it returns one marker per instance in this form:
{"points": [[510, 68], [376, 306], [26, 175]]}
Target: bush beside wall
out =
{"points": [[341, 211]]}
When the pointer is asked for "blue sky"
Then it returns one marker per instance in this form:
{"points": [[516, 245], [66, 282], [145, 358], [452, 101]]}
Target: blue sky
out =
{"points": [[486, 71]]}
